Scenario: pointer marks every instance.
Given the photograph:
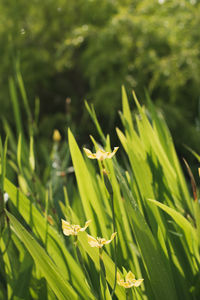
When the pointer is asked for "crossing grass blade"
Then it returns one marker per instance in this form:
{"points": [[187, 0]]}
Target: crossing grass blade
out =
{"points": [[189, 231], [89, 198], [55, 245], [127, 117], [58, 284], [3, 154], [8, 267], [157, 240], [93, 116], [154, 260], [93, 253]]}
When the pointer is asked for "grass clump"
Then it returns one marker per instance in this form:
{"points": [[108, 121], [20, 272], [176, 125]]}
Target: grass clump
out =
{"points": [[145, 200]]}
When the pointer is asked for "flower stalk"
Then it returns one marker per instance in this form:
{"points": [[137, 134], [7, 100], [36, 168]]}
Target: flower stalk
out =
{"points": [[110, 191], [101, 155], [71, 229], [82, 264], [99, 243], [102, 273]]}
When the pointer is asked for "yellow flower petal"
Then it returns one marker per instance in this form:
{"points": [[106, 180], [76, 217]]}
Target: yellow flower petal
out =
{"points": [[128, 285], [110, 155], [100, 154], [70, 229], [120, 281], [138, 282], [118, 276], [92, 241], [130, 280], [112, 237], [65, 223], [99, 242], [130, 276], [86, 225], [89, 153], [66, 227]]}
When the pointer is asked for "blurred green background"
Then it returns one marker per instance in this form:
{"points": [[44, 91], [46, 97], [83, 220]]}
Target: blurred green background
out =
{"points": [[68, 51]]}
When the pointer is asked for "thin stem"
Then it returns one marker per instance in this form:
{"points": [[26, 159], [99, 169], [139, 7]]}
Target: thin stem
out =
{"points": [[115, 245], [102, 273], [127, 294], [9, 237], [135, 293], [110, 190], [81, 262], [46, 216], [2, 212]]}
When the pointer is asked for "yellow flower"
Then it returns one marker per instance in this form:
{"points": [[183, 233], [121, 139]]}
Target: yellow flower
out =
{"points": [[99, 242], [56, 136], [129, 280], [100, 154], [69, 229]]}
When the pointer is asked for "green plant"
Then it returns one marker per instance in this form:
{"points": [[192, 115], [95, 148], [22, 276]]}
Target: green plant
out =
{"points": [[156, 222]]}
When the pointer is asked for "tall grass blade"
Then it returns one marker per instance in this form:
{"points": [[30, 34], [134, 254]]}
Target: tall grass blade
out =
{"points": [[156, 265], [15, 104], [59, 285]]}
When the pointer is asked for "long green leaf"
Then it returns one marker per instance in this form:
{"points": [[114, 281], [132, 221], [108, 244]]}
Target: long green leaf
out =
{"points": [[55, 246], [189, 231], [156, 265], [59, 285], [94, 255], [15, 104], [86, 187]]}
